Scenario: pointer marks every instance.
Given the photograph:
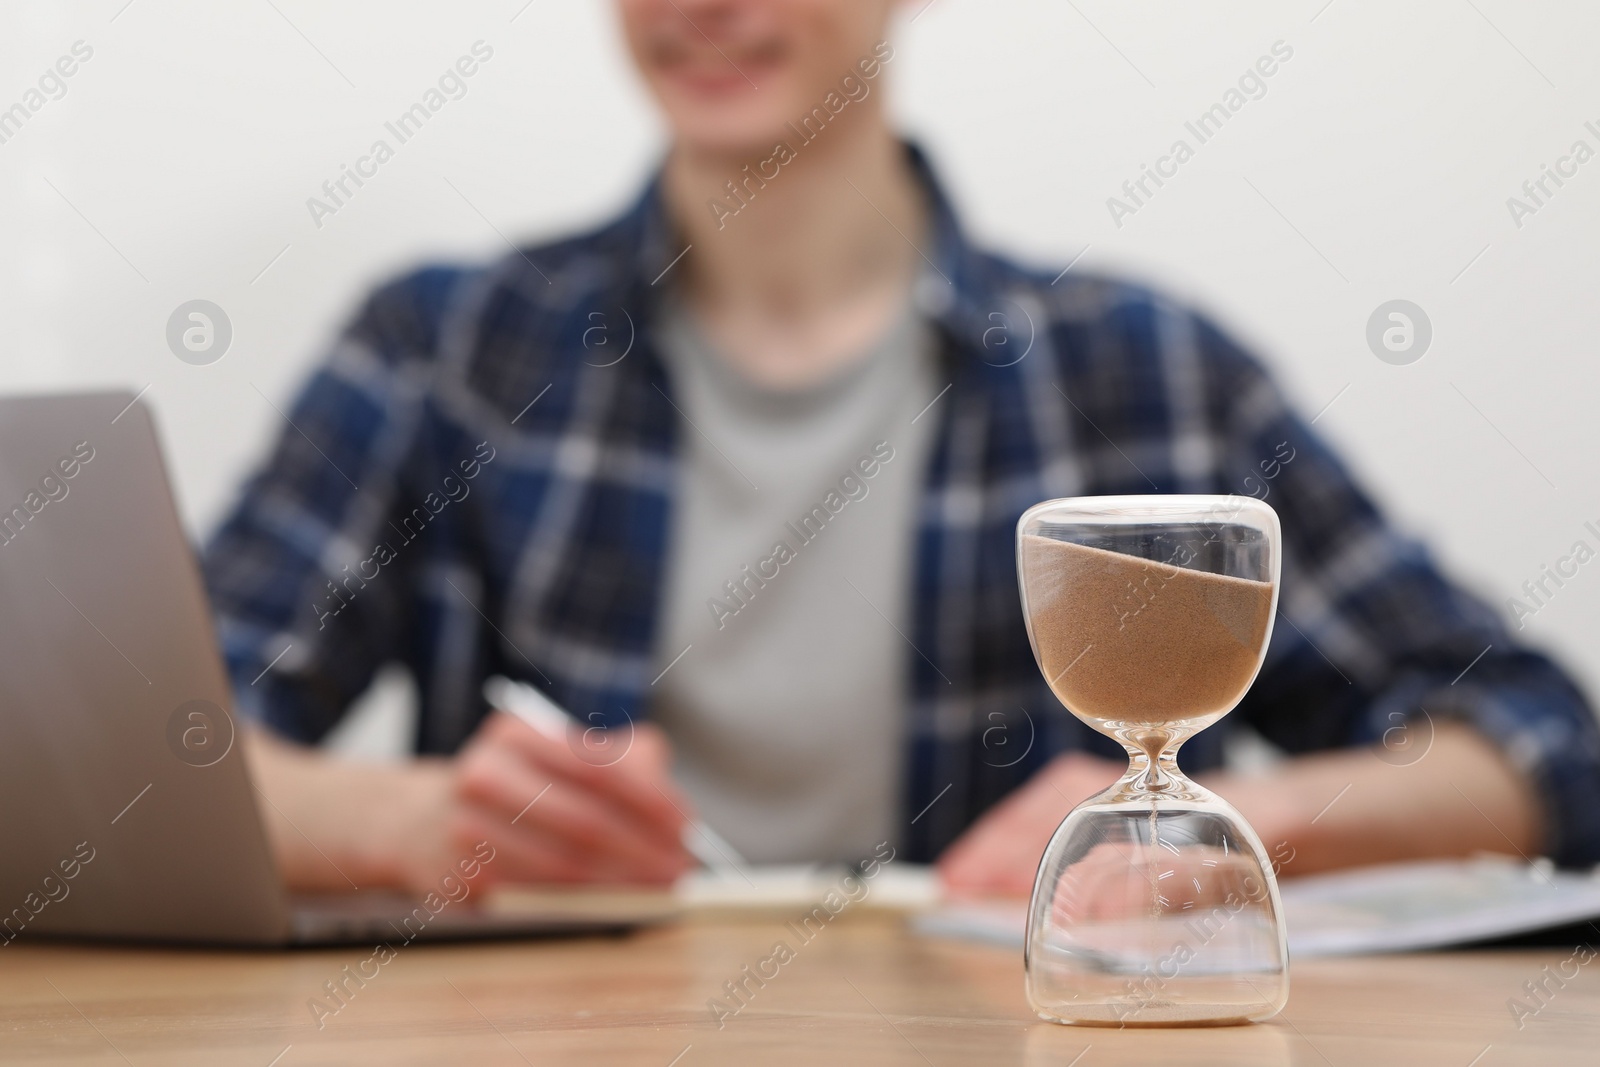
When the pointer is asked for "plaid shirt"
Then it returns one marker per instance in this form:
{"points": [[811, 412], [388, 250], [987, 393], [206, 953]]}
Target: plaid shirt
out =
{"points": [[478, 480]]}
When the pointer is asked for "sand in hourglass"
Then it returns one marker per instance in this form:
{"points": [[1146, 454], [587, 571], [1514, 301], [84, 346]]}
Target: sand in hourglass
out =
{"points": [[1127, 639]]}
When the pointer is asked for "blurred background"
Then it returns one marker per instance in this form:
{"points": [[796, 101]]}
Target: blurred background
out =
{"points": [[176, 162]]}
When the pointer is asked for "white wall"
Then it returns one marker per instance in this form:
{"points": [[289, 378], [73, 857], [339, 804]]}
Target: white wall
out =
{"points": [[1389, 143]]}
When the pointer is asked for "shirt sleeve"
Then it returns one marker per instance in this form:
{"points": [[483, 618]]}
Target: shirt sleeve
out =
{"points": [[301, 631], [1373, 645]]}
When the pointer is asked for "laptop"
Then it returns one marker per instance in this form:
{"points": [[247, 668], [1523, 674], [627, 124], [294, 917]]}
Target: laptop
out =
{"points": [[126, 808]]}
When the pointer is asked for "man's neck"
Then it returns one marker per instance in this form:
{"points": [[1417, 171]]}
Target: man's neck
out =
{"points": [[814, 258]]}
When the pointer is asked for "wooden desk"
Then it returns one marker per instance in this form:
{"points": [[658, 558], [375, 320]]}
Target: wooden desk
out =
{"points": [[864, 991]]}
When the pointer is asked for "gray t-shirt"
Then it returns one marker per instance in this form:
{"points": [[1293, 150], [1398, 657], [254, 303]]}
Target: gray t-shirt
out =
{"points": [[788, 582]]}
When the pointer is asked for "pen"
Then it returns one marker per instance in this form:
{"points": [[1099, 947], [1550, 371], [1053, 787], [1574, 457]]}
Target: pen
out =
{"points": [[542, 713]]}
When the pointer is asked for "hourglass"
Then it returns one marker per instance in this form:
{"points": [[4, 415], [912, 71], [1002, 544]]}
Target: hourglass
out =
{"points": [[1155, 903]]}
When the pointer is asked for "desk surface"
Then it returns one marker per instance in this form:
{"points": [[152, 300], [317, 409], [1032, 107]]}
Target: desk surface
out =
{"points": [[863, 991]]}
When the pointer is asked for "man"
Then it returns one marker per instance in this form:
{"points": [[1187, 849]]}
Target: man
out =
{"points": [[738, 476]]}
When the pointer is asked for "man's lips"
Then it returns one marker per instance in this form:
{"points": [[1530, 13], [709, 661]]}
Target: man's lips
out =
{"points": [[710, 71], [714, 81]]}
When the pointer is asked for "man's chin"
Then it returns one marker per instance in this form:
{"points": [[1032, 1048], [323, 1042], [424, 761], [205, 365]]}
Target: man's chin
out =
{"points": [[740, 142]]}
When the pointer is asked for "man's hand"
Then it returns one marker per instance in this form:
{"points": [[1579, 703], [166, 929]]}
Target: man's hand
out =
{"points": [[551, 815], [1324, 811], [999, 854]]}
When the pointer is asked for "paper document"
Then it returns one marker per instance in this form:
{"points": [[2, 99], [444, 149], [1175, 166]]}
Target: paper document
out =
{"points": [[776, 889], [896, 886], [1393, 908]]}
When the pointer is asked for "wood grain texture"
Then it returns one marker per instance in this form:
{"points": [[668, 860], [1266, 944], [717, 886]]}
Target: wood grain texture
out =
{"points": [[863, 991]]}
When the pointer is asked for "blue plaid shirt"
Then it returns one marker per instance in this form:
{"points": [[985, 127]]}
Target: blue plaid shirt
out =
{"points": [[478, 480]]}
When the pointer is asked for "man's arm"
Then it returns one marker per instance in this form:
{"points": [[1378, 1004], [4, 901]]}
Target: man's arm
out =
{"points": [[1453, 737], [1313, 813], [550, 815], [1374, 646], [305, 626], [336, 826], [302, 628], [1350, 807]]}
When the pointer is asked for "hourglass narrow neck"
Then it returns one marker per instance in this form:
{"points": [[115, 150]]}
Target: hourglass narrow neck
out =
{"points": [[1153, 761]]}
